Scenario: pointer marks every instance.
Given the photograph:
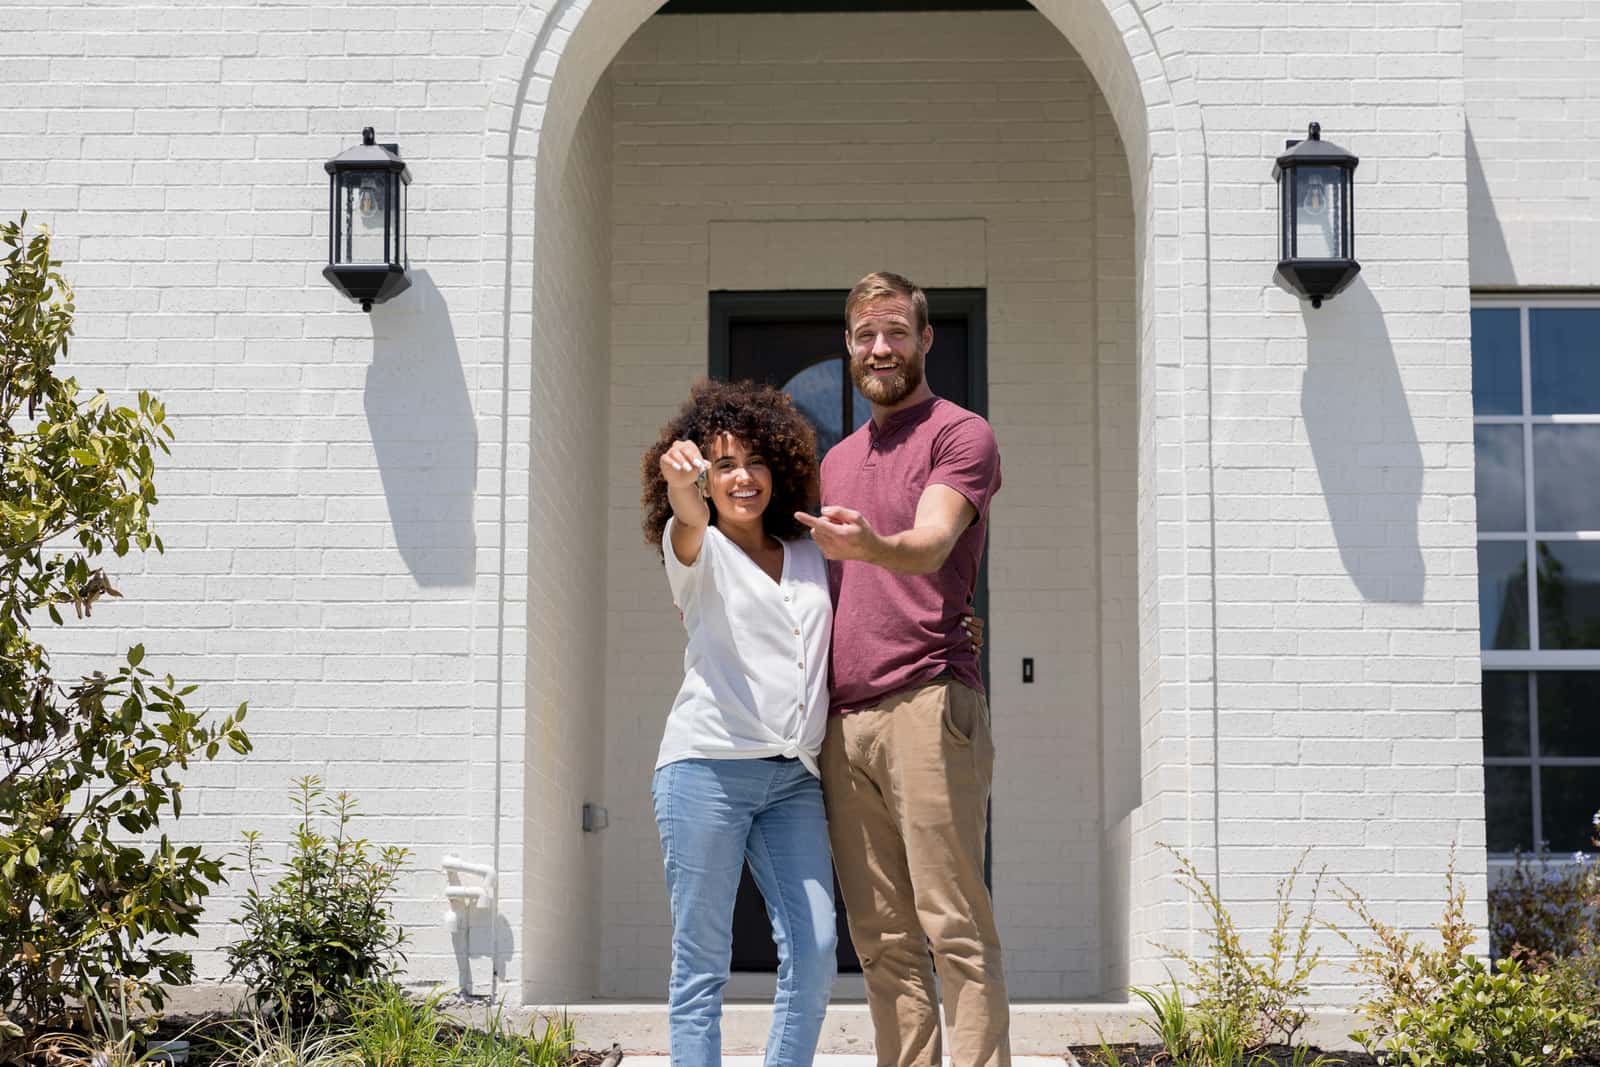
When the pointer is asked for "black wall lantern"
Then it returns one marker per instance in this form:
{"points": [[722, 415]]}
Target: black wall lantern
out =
{"points": [[367, 257], [1316, 217]]}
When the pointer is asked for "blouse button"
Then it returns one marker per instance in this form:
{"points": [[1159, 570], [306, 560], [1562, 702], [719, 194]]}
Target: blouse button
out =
{"points": [[797, 631]]}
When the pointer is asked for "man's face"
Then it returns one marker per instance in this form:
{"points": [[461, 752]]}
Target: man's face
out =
{"points": [[887, 350]]}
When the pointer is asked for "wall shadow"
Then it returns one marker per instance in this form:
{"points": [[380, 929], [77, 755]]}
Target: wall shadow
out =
{"points": [[1489, 259], [478, 938], [420, 417], [1365, 445]]}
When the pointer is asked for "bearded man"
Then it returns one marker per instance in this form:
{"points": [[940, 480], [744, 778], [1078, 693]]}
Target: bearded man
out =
{"points": [[908, 759]]}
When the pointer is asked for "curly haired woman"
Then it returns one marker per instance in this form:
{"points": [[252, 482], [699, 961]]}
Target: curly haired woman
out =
{"points": [[736, 779]]}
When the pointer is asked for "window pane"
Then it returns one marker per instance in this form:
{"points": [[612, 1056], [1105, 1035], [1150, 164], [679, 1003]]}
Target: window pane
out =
{"points": [[1569, 594], [1571, 796], [1502, 503], [1505, 713], [818, 391], [1566, 478], [1564, 356], [1508, 802], [1569, 714], [1503, 594], [1497, 361]]}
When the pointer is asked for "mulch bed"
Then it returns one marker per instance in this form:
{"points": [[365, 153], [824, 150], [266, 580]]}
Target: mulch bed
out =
{"points": [[1156, 1056]]}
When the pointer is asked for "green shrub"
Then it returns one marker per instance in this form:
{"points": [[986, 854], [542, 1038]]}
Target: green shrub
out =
{"points": [[86, 766], [1545, 908], [1261, 993], [1444, 1007], [325, 928]]}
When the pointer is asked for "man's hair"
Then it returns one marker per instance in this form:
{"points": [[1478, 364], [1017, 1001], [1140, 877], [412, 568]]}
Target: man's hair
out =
{"points": [[880, 284], [767, 421]]}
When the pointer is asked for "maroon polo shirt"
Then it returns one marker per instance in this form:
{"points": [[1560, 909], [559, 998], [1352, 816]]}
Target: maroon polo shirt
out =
{"points": [[895, 631]]}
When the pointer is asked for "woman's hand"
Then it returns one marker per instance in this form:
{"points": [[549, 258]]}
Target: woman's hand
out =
{"points": [[681, 464], [974, 627]]}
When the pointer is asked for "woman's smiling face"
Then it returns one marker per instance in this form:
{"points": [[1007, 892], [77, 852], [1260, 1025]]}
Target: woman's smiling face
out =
{"points": [[739, 482]]}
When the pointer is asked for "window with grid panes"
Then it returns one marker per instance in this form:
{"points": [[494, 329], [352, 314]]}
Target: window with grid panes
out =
{"points": [[1536, 414]]}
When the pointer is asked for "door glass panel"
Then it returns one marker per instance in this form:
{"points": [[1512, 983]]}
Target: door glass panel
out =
{"points": [[1503, 594], [1569, 594], [1564, 357], [1501, 500], [818, 391], [1508, 795], [1496, 361], [1566, 477], [1505, 713]]}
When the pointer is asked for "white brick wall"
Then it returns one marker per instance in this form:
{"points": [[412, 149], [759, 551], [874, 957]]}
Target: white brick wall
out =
{"points": [[364, 514], [1532, 81]]}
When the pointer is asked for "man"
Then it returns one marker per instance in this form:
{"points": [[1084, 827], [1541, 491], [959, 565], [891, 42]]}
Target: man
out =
{"points": [[908, 758]]}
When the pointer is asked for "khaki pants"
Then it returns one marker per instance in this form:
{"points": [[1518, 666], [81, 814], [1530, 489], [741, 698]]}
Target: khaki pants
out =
{"points": [[907, 786]]}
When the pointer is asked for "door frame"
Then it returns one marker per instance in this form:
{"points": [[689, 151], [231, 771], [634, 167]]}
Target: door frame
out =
{"points": [[726, 307]]}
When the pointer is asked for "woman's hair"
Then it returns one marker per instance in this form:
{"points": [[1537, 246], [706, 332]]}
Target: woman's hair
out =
{"points": [[762, 417]]}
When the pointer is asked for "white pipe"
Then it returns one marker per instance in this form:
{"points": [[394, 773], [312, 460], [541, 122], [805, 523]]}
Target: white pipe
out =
{"points": [[467, 894], [461, 866]]}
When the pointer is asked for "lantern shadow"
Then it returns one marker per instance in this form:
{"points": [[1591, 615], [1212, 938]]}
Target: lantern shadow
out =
{"points": [[420, 417], [1490, 262], [1365, 445]]}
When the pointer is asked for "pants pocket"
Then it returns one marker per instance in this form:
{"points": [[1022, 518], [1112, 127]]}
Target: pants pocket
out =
{"points": [[959, 714]]}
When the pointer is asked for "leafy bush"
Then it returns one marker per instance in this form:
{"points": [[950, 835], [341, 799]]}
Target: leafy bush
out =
{"points": [[1444, 1007], [325, 928], [1261, 994], [82, 767], [1546, 908]]}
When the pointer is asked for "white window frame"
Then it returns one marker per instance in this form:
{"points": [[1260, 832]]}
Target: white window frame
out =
{"points": [[1534, 660]]}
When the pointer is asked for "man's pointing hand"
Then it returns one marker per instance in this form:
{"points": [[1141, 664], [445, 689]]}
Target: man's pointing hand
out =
{"points": [[842, 533]]}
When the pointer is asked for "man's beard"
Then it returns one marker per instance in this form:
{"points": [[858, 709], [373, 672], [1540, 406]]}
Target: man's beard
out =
{"points": [[887, 392]]}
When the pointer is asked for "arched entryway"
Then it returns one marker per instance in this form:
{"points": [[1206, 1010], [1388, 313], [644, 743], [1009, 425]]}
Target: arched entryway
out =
{"points": [[647, 161]]}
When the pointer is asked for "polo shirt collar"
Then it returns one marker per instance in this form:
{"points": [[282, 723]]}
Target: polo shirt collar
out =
{"points": [[901, 419]]}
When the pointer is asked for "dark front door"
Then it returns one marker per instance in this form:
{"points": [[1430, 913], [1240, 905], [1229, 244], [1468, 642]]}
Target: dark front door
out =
{"points": [[795, 340]]}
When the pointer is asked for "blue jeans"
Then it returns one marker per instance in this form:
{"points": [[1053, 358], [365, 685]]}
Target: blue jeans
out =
{"points": [[714, 815]]}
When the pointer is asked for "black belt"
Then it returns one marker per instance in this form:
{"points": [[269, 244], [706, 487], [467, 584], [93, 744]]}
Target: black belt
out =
{"points": [[781, 759]]}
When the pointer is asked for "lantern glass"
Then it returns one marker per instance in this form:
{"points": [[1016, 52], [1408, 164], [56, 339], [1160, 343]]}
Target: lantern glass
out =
{"points": [[364, 217], [1319, 212]]}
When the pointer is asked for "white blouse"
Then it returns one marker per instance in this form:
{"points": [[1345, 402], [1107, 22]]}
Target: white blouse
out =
{"points": [[755, 672]]}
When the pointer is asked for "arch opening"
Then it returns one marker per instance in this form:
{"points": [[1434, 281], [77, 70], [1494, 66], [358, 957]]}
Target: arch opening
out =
{"points": [[1076, 318]]}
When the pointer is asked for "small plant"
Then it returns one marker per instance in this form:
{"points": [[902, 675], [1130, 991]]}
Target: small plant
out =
{"points": [[325, 929], [388, 1028], [1444, 1007], [1262, 993], [110, 1038], [260, 1042], [1173, 1027]]}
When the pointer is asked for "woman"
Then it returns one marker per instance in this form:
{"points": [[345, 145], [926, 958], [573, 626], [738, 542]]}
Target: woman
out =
{"points": [[736, 777]]}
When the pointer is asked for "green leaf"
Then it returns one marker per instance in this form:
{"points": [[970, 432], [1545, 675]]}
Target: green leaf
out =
{"points": [[135, 655]]}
